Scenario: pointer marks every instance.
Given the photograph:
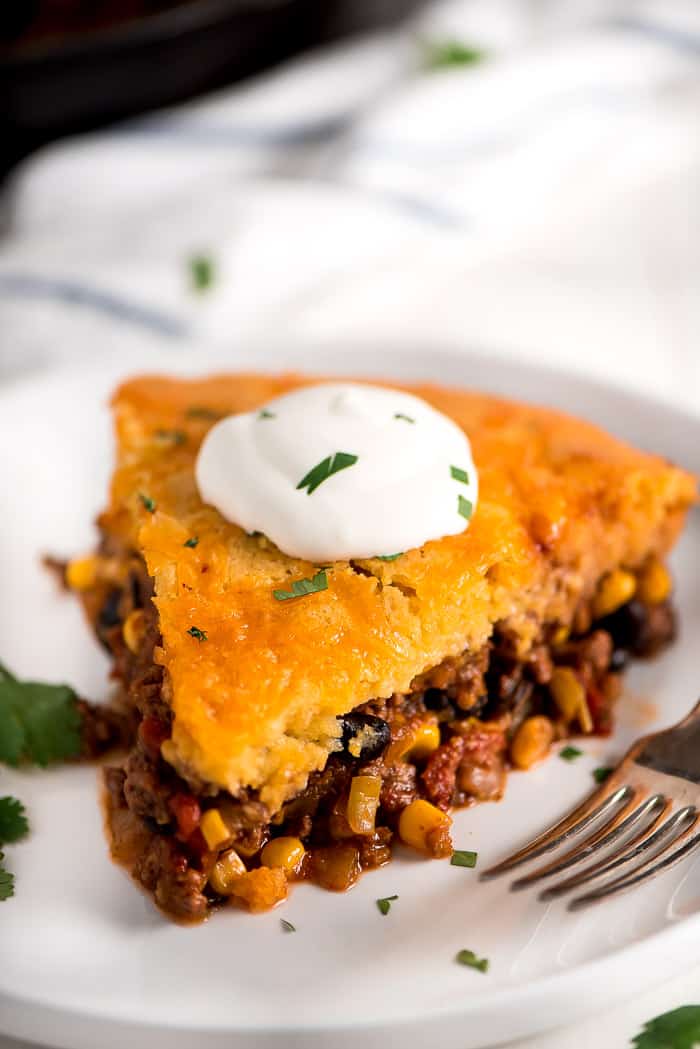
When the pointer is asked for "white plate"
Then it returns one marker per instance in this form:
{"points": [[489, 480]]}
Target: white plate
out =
{"points": [[84, 958]]}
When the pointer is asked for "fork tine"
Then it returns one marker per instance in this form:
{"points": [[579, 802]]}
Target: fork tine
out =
{"points": [[638, 848], [574, 823], [611, 832], [647, 871]]}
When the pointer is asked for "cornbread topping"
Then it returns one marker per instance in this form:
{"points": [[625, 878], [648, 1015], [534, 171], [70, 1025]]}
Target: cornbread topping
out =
{"points": [[338, 471]]}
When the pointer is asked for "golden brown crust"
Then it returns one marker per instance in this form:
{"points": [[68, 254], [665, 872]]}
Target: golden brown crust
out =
{"points": [[561, 503]]}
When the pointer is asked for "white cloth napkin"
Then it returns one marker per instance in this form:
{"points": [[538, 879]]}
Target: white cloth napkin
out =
{"points": [[540, 201]]}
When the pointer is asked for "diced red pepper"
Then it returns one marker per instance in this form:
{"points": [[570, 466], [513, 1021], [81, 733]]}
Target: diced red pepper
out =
{"points": [[600, 711], [185, 808]]}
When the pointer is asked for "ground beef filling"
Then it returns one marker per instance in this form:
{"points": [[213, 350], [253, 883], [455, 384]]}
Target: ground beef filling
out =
{"points": [[449, 742]]}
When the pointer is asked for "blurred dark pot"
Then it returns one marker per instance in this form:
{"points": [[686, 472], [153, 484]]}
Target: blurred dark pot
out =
{"points": [[63, 85]]}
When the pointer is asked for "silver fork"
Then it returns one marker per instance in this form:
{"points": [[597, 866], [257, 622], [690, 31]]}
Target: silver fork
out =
{"points": [[638, 824]]}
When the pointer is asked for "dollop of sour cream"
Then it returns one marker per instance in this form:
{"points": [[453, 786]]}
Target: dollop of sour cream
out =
{"points": [[339, 471]]}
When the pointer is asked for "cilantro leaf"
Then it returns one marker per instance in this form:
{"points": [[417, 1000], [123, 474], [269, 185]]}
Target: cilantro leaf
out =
{"points": [[467, 957], [459, 475], [7, 881], [463, 858], [570, 753], [446, 54], [202, 272], [601, 774], [384, 905], [191, 542], [13, 820], [332, 464], [197, 411], [149, 504], [39, 723], [465, 507], [200, 635], [302, 587], [678, 1029], [406, 418], [171, 436]]}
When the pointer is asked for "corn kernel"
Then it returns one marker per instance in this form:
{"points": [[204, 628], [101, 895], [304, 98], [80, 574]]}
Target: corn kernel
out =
{"points": [[363, 803], [654, 584], [168, 752], [532, 741], [414, 741], [287, 853], [418, 820], [614, 590], [567, 691], [133, 629], [213, 828], [560, 635], [225, 871], [426, 739], [570, 697], [82, 573]]}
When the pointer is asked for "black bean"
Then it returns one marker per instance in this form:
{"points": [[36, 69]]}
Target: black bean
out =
{"points": [[619, 660], [373, 733], [475, 709], [109, 613], [436, 699]]}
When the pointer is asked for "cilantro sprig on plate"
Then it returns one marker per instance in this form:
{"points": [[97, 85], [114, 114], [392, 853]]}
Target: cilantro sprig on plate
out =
{"points": [[678, 1029], [13, 827], [13, 820], [39, 723]]}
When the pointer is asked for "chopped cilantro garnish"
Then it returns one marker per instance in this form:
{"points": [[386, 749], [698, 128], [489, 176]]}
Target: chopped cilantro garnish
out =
{"points": [[264, 414], [446, 54], [678, 1029], [406, 418], [463, 858], [7, 881], [466, 957], [173, 436], [148, 503], [197, 411], [601, 774], [465, 507], [287, 926], [388, 557], [191, 542], [384, 905], [201, 635], [459, 475], [39, 723], [570, 753], [302, 587], [13, 820], [325, 469], [202, 272]]}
